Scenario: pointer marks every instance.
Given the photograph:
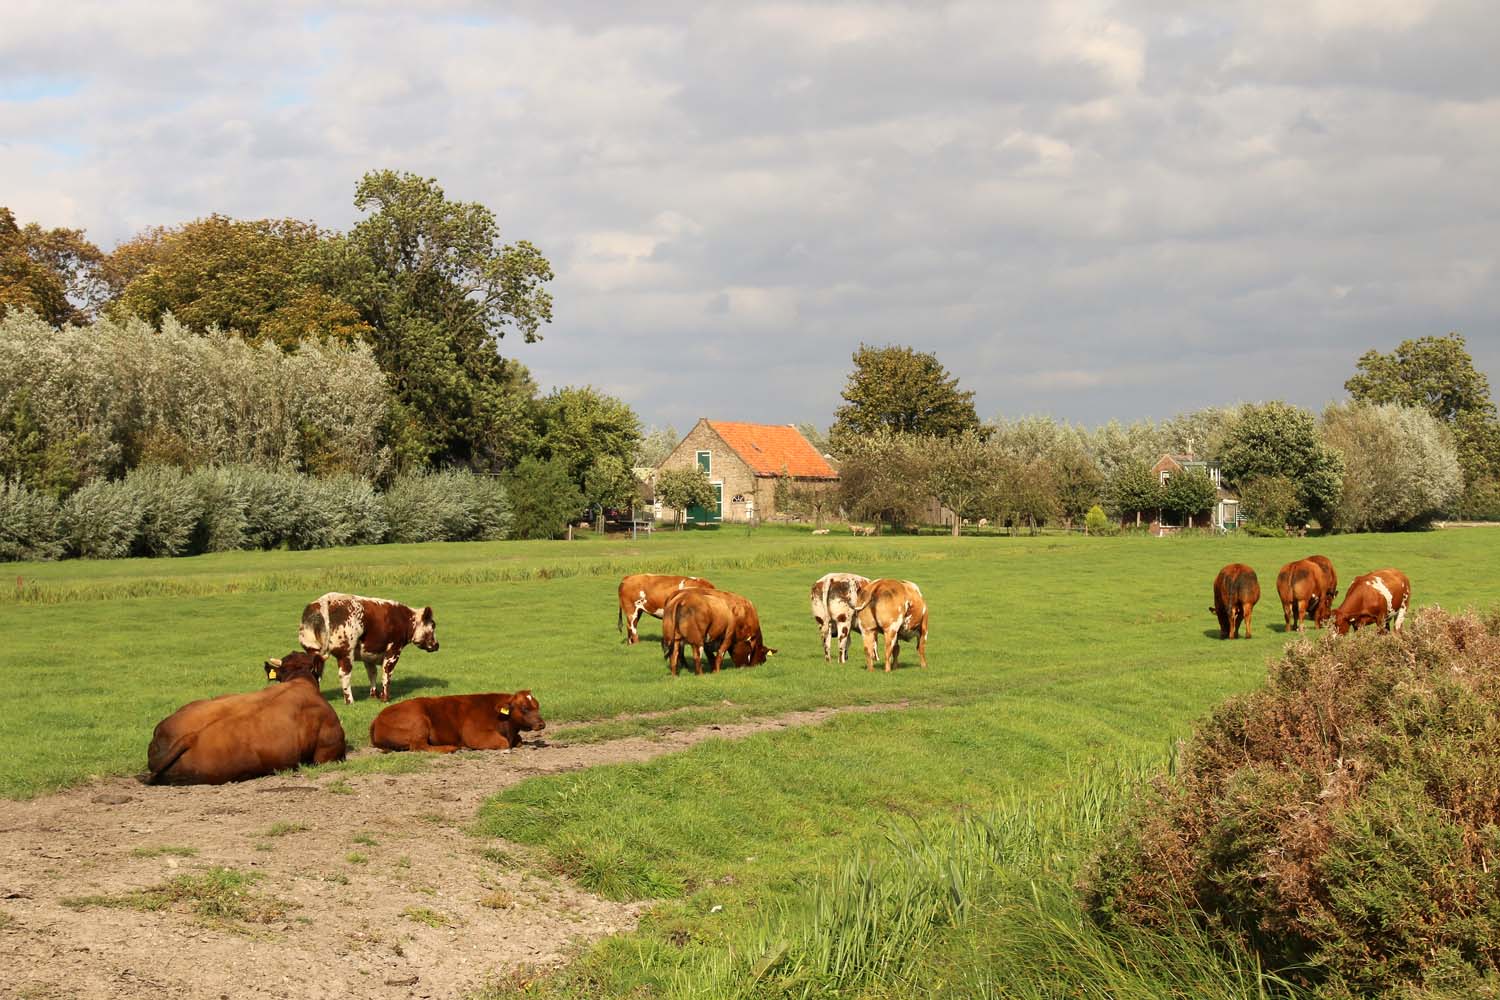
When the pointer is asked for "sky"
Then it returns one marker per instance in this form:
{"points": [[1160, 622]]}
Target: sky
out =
{"points": [[1087, 210]]}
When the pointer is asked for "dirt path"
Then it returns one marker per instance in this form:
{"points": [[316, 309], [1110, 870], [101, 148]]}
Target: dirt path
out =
{"points": [[385, 895]]}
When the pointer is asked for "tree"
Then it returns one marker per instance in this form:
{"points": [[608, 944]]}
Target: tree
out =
{"points": [[1133, 489], [684, 488], [262, 280], [608, 483], [903, 391], [654, 447], [432, 278], [961, 472], [1400, 467], [1189, 494], [49, 271], [804, 498], [579, 426], [543, 498], [1278, 439], [815, 437], [1027, 494], [1268, 501], [1115, 445], [883, 477], [1079, 482]]}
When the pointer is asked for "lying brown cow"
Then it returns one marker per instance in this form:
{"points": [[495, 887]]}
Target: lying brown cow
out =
{"points": [[238, 736], [1236, 590], [1379, 598], [713, 622], [374, 630], [457, 722], [649, 593], [896, 610], [1303, 587], [832, 600]]}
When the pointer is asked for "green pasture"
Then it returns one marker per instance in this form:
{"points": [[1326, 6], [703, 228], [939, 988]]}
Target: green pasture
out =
{"points": [[1084, 640]]}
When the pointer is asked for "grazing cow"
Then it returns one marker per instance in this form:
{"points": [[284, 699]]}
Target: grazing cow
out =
{"points": [[1379, 598], [1330, 577], [1303, 588], [457, 722], [713, 622], [896, 610], [238, 736], [1236, 590], [833, 599], [374, 630], [648, 592]]}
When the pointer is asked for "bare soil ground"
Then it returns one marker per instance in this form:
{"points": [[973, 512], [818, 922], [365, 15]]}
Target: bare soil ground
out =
{"points": [[368, 884]]}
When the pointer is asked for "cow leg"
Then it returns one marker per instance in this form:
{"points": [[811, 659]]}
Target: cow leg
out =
{"points": [[635, 617], [1245, 619], [698, 660], [371, 670], [869, 637], [675, 655], [346, 670], [387, 667], [892, 647], [330, 746], [1401, 614], [922, 647]]}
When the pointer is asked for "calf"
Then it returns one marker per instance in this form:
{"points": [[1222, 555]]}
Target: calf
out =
{"points": [[896, 610], [374, 630], [1236, 590], [713, 622], [648, 593], [1303, 589], [457, 722], [1379, 598], [832, 600], [238, 736]]}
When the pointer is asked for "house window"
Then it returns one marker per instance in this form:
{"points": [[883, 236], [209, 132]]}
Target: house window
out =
{"points": [[706, 463], [1165, 475]]}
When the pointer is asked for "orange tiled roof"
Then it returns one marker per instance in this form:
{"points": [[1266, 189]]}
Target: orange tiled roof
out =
{"points": [[773, 450]]}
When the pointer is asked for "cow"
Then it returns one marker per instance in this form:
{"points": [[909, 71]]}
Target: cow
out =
{"points": [[1303, 588], [1379, 598], [294, 665], [1331, 578], [457, 722], [374, 630], [832, 600], [238, 736], [649, 592], [896, 610], [713, 622], [1236, 590]]}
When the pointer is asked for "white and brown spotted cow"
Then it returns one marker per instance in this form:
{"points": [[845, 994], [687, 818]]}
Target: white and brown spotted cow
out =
{"points": [[346, 626], [896, 610], [833, 598], [649, 593]]}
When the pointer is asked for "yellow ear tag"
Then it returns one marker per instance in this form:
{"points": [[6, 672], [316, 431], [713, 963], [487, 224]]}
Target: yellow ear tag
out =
{"points": [[505, 710], [271, 674]]}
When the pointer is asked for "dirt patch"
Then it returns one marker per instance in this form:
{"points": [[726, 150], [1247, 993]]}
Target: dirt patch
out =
{"points": [[364, 884]]}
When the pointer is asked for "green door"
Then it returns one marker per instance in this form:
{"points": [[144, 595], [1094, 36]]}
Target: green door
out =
{"points": [[702, 515]]}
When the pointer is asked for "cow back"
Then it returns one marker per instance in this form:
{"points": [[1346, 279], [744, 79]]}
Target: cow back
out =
{"points": [[238, 736], [1236, 584]]}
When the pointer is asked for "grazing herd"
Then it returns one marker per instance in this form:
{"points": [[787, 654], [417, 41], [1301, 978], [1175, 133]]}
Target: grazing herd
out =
{"points": [[1307, 588], [289, 723]]}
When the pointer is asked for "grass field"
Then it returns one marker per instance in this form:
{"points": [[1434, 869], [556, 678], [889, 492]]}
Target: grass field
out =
{"points": [[1053, 660]]}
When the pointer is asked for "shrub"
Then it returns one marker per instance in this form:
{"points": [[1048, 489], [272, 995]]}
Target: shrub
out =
{"points": [[1268, 502], [543, 498], [30, 524], [1096, 522], [273, 500], [1343, 821], [100, 520], [169, 509], [339, 510], [222, 504], [450, 506]]}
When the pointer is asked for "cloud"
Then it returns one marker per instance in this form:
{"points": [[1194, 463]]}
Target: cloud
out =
{"points": [[1089, 209]]}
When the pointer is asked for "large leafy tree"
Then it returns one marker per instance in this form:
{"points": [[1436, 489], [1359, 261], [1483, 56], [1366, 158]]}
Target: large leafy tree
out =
{"points": [[264, 280], [1401, 469], [579, 426], [962, 471], [543, 498], [1189, 494], [884, 476], [52, 272], [432, 278], [1278, 439], [903, 391], [1133, 489]]}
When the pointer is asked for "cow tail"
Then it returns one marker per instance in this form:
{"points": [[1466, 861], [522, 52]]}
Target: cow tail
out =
{"points": [[620, 618], [311, 638], [179, 748]]}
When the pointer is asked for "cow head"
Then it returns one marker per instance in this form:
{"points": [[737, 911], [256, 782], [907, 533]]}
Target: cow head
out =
{"points": [[523, 712], [295, 665], [751, 652], [424, 631]]}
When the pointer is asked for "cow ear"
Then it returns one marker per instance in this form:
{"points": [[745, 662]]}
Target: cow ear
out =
{"points": [[273, 662], [770, 651], [427, 614]]}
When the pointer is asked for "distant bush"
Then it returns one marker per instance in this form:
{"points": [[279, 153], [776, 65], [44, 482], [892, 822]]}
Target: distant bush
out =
{"points": [[30, 524], [543, 498], [340, 510], [1264, 531], [1096, 522], [100, 520], [445, 506], [169, 510], [1343, 821]]}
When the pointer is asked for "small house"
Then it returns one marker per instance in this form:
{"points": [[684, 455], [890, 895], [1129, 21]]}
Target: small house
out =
{"points": [[1226, 504], [744, 462]]}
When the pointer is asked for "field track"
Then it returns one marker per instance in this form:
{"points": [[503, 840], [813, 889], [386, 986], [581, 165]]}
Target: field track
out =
{"points": [[348, 928]]}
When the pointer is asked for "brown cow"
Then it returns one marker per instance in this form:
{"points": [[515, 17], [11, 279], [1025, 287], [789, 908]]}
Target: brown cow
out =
{"points": [[457, 722], [346, 626], [649, 592], [1236, 590], [1330, 577], [295, 665], [238, 736], [896, 610], [1303, 588], [713, 622], [833, 599], [1379, 598]]}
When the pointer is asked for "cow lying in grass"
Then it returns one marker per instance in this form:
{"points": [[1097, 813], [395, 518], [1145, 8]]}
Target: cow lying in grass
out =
{"points": [[238, 736], [457, 722]]}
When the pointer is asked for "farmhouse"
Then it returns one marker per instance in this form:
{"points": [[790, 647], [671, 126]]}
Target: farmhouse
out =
{"points": [[1226, 504], [745, 462]]}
